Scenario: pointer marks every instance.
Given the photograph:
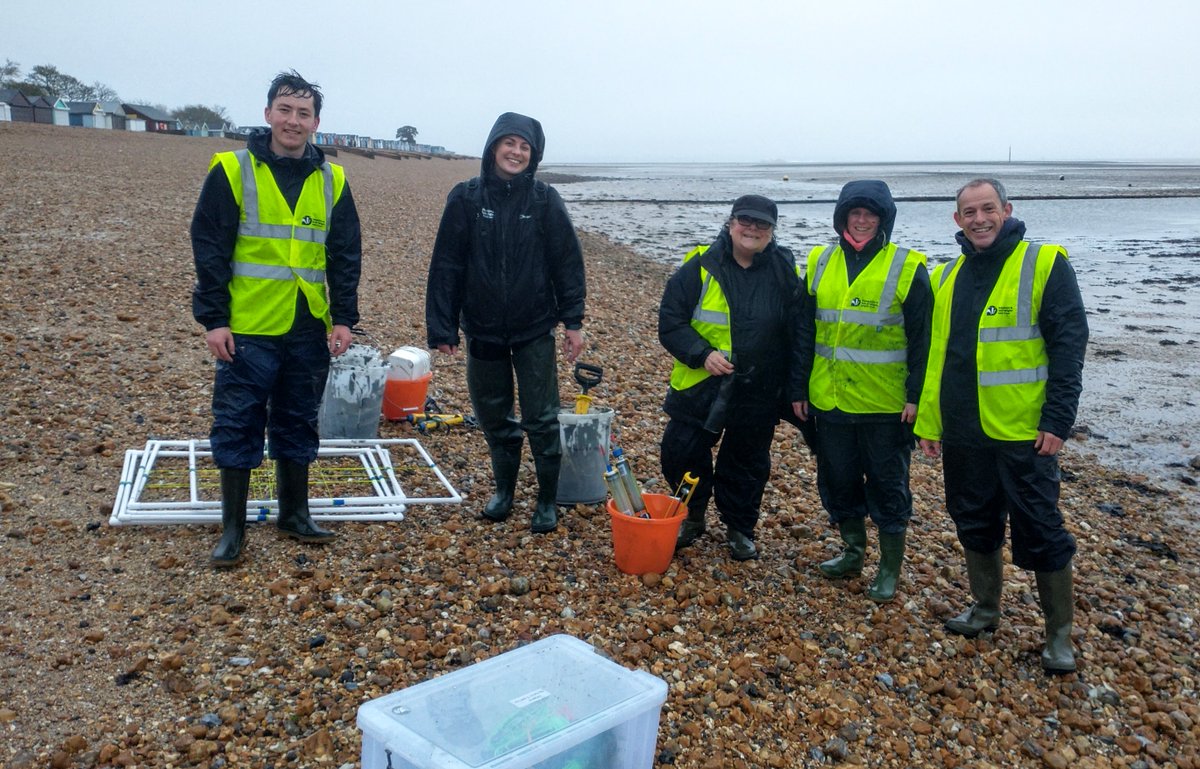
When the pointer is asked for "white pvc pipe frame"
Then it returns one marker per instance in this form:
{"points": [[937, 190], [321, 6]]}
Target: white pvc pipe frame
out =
{"points": [[388, 504]]}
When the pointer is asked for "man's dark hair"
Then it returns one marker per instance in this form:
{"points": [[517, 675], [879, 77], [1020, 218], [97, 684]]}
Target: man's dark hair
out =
{"points": [[292, 83]]}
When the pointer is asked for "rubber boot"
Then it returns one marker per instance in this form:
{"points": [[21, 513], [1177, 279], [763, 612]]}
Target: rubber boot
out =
{"points": [[850, 562], [692, 527], [985, 572], [545, 515], [741, 547], [235, 488], [294, 519], [506, 465], [1057, 594], [891, 556]]}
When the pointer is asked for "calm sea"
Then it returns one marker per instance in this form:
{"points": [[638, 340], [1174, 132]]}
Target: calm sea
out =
{"points": [[1132, 230]]}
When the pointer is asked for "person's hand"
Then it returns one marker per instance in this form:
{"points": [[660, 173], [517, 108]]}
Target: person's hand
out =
{"points": [[717, 364], [931, 449], [448, 349], [572, 343], [220, 343], [800, 409], [909, 414], [339, 340], [1047, 444]]}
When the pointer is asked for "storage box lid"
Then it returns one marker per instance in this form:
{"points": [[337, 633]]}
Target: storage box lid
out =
{"points": [[515, 709], [409, 363]]}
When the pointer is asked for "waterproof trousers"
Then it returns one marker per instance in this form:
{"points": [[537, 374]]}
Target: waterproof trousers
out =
{"points": [[490, 382], [998, 484], [863, 470], [742, 467], [273, 386]]}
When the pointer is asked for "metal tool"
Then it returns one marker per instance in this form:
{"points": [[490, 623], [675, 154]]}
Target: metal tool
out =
{"points": [[588, 376]]}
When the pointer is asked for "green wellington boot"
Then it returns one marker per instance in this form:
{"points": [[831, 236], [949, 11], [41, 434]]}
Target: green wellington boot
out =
{"points": [[1057, 594], [291, 480], [850, 562], [235, 488], [985, 572], [506, 465], [891, 556]]}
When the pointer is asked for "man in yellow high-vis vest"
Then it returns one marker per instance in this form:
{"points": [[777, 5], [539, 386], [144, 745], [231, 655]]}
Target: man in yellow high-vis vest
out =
{"points": [[275, 226], [865, 339], [1001, 393]]}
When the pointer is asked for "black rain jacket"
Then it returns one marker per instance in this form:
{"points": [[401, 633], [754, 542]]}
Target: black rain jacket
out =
{"points": [[763, 302], [507, 266]]}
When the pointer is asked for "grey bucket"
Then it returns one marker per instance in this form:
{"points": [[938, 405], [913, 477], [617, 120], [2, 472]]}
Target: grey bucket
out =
{"points": [[353, 400], [584, 440]]}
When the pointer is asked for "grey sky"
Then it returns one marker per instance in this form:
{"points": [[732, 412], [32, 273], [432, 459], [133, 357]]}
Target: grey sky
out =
{"points": [[637, 80]]}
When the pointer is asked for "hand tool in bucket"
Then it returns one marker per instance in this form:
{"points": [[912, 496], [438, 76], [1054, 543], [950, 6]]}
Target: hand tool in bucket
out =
{"points": [[588, 376], [689, 482]]}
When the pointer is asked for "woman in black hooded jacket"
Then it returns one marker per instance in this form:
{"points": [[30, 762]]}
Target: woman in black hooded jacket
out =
{"points": [[507, 268]]}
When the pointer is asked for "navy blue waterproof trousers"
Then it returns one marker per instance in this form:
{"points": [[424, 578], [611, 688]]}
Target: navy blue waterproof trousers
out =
{"points": [[862, 470], [273, 387], [989, 485], [742, 468]]}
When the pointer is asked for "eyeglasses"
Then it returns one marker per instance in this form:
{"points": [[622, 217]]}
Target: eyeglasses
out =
{"points": [[750, 221]]}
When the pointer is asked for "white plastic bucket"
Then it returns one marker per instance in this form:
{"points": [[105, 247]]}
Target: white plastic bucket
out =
{"points": [[353, 396], [584, 440]]}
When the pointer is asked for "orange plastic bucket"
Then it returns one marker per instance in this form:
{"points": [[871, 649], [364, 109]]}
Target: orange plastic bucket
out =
{"points": [[646, 545], [402, 397]]}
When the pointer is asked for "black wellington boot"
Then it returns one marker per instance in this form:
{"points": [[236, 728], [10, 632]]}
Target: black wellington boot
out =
{"points": [[506, 464], [235, 488], [545, 515], [294, 519]]}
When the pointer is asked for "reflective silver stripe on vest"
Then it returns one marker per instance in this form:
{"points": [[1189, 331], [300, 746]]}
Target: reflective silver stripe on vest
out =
{"points": [[1019, 376], [882, 317], [819, 270], [254, 228], [862, 356], [701, 315], [275, 272], [946, 272], [1025, 328]]}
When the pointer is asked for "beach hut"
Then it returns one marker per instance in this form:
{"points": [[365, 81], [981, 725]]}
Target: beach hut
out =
{"points": [[43, 110], [157, 121], [62, 115], [85, 114], [19, 108], [114, 116], [5, 111]]}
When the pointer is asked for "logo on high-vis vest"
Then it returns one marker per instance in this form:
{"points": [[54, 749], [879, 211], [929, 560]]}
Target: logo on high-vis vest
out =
{"points": [[991, 310]]}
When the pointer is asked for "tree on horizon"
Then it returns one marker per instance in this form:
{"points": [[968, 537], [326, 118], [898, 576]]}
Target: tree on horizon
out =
{"points": [[215, 116], [407, 134]]}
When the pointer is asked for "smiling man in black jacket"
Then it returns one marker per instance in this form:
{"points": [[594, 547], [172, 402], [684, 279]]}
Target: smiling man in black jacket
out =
{"points": [[507, 269], [1001, 391], [278, 254]]}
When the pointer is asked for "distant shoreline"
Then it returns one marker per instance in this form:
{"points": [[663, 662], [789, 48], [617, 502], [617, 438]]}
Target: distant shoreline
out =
{"points": [[1138, 195]]}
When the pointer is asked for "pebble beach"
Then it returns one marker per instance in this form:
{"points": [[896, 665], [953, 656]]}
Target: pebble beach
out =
{"points": [[121, 647]]}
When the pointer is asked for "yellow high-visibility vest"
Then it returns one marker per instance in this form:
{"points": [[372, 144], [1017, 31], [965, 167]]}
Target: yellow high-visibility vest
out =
{"points": [[278, 252], [861, 356], [710, 318], [1011, 361]]}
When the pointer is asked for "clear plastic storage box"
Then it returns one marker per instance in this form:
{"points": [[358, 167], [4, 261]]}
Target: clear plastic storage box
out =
{"points": [[554, 704]]}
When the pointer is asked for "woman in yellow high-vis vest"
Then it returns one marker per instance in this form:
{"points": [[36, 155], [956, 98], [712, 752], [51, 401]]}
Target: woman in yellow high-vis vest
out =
{"points": [[865, 337], [727, 318]]}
